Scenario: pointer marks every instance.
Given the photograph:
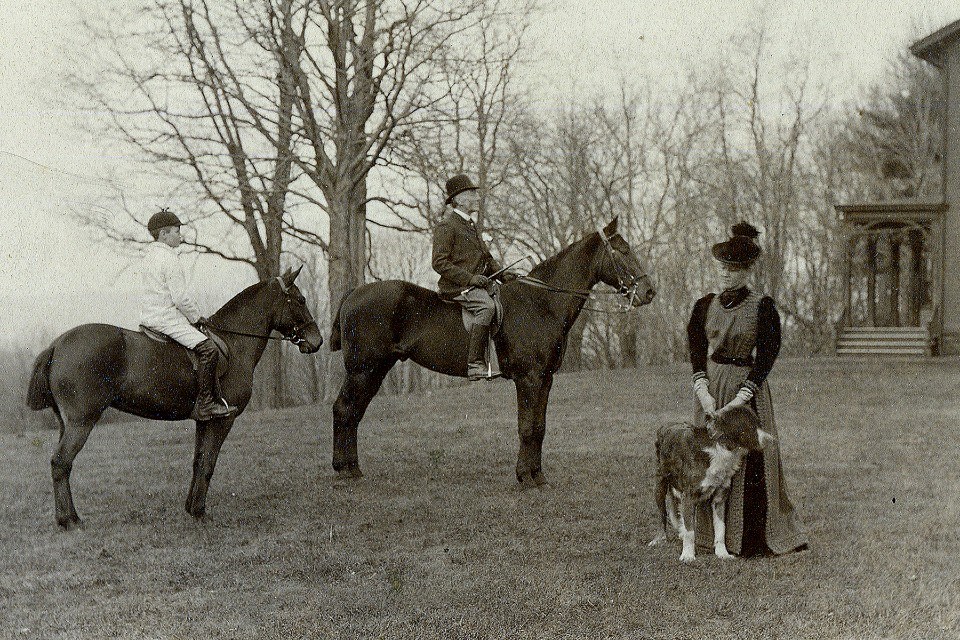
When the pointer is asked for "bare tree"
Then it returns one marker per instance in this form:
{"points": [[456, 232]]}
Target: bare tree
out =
{"points": [[184, 93], [894, 135], [469, 128], [366, 69], [171, 93]]}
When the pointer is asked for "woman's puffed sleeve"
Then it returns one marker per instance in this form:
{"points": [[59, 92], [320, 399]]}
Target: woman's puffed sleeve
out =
{"points": [[697, 336], [768, 343]]}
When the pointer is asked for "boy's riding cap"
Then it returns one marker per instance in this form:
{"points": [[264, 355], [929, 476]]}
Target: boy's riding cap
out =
{"points": [[740, 250], [161, 219], [457, 185]]}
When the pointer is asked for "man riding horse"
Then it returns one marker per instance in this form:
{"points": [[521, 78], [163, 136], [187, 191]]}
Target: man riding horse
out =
{"points": [[169, 309], [465, 265]]}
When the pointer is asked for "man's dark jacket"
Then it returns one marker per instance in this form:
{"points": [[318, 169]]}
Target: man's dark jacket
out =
{"points": [[459, 253]]}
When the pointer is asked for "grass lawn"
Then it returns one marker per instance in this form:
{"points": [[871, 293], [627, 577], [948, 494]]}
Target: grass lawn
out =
{"points": [[437, 541]]}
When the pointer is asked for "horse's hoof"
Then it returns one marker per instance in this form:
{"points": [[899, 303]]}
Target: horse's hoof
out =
{"points": [[350, 473], [540, 480], [195, 513], [526, 483]]}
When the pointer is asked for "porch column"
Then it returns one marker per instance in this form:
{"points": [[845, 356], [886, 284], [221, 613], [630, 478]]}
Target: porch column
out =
{"points": [[871, 280], [918, 275], [893, 307]]}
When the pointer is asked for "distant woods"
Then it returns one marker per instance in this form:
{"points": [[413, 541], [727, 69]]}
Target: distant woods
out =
{"points": [[323, 130]]}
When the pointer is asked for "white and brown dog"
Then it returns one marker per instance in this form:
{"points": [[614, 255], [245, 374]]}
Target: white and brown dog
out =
{"points": [[695, 464]]}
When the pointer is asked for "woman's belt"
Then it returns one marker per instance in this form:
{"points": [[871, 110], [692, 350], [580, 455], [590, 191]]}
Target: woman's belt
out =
{"points": [[737, 362]]}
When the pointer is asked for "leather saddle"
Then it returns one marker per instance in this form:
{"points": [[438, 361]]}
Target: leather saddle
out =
{"points": [[223, 362]]}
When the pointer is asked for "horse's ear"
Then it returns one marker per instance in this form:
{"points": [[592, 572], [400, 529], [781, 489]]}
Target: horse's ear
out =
{"points": [[291, 275], [611, 228]]}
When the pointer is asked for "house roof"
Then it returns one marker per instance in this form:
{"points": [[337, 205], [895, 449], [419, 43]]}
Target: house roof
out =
{"points": [[892, 211], [931, 48]]}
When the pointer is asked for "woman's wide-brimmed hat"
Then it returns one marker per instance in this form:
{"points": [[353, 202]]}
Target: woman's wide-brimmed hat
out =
{"points": [[457, 185], [740, 250]]}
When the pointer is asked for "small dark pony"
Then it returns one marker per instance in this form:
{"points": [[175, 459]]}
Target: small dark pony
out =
{"points": [[95, 366], [383, 322]]}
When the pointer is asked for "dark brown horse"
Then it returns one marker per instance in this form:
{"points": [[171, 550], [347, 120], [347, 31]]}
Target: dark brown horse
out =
{"points": [[95, 366], [383, 322]]}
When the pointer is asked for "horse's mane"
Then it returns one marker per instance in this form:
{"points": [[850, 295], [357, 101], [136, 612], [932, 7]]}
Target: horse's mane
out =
{"points": [[548, 267], [240, 300]]}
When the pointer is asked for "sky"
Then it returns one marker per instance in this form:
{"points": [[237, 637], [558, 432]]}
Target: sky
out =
{"points": [[54, 274]]}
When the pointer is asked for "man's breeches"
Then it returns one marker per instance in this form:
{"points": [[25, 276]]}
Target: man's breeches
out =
{"points": [[182, 332], [480, 305]]}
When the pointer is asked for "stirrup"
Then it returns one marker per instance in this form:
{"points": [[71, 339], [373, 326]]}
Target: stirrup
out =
{"points": [[488, 375]]}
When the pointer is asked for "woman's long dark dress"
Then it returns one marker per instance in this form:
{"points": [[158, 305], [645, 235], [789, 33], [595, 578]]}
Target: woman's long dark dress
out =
{"points": [[742, 335]]}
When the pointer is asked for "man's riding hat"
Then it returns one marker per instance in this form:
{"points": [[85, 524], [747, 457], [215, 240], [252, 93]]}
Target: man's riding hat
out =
{"points": [[740, 250], [161, 219], [457, 185]]}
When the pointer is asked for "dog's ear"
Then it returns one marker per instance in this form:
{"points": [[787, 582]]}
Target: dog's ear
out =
{"points": [[765, 438]]}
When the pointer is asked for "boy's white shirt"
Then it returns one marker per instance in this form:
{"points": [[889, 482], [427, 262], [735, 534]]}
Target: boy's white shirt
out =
{"points": [[165, 298]]}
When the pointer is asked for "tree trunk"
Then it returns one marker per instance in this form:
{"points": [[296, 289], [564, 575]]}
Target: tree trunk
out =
{"points": [[628, 335], [314, 379], [276, 385], [347, 253], [573, 357]]}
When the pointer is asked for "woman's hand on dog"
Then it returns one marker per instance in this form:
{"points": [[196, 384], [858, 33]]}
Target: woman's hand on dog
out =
{"points": [[707, 401]]}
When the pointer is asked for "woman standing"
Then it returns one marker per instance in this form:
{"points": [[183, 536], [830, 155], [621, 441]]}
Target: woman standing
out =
{"points": [[741, 330]]}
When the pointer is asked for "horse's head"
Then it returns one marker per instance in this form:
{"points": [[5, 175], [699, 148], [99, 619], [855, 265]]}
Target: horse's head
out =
{"points": [[620, 268], [294, 320]]}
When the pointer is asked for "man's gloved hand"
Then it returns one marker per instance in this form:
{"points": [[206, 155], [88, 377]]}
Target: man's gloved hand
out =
{"points": [[481, 282], [508, 276], [702, 390], [202, 322]]}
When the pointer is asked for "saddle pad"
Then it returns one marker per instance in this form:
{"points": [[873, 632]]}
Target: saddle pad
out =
{"points": [[223, 362]]}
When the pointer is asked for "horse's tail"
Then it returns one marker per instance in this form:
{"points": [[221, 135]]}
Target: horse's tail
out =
{"points": [[335, 343], [38, 393]]}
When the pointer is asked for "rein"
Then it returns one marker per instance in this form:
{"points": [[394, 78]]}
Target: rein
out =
{"points": [[583, 294], [625, 290], [294, 339], [295, 336]]}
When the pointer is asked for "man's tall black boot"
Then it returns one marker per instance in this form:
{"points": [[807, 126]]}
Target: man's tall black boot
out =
{"points": [[477, 368], [209, 406]]}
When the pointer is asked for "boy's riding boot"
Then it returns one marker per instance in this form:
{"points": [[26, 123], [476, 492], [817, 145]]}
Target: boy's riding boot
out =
{"points": [[209, 406], [477, 353]]}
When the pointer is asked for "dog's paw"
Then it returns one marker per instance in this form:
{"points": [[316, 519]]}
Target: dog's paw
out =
{"points": [[723, 554], [687, 557]]}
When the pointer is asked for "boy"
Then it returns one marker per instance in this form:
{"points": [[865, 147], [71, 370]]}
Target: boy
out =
{"points": [[169, 309]]}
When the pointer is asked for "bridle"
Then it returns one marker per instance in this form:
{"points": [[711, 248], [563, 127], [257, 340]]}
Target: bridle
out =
{"points": [[294, 336], [627, 285]]}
